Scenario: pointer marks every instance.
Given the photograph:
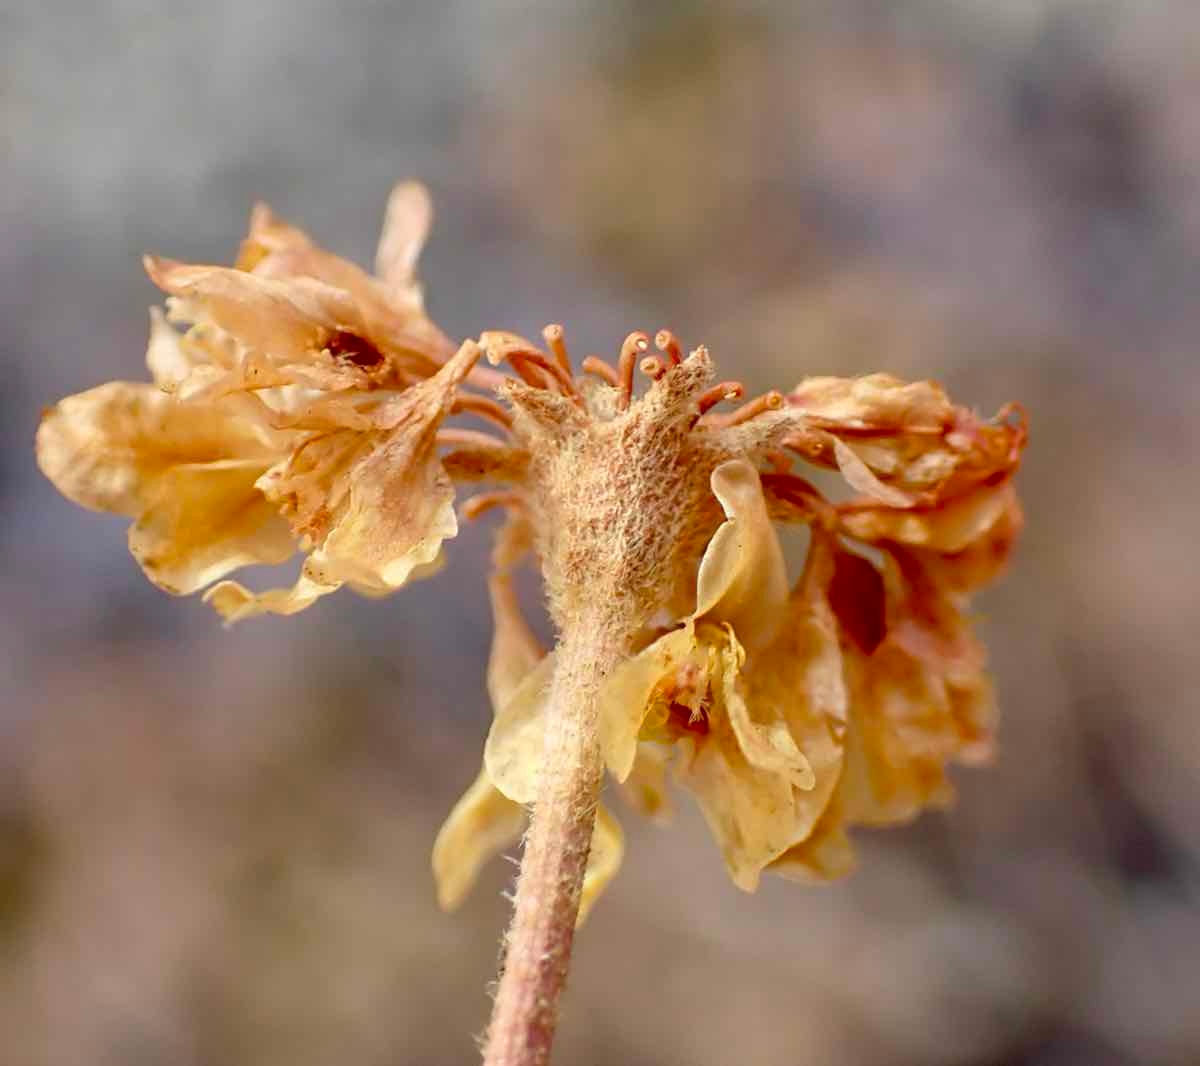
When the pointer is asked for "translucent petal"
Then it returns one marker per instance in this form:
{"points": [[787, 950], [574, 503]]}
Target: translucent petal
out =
{"points": [[627, 696], [483, 823], [234, 602], [645, 789]]}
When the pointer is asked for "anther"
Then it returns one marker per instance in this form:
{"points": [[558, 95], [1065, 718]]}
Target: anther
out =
{"points": [[726, 390], [635, 345], [593, 364], [653, 366], [768, 401], [666, 341]]}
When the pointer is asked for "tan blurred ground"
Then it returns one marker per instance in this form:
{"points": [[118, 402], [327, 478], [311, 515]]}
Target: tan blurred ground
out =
{"points": [[214, 846]]}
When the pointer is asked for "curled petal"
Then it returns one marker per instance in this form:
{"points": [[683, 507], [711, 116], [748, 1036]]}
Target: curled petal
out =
{"points": [[483, 823], [234, 602], [206, 521], [742, 579]]}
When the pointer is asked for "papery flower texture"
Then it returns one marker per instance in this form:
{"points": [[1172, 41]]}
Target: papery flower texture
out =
{"points": [[305, 407]]}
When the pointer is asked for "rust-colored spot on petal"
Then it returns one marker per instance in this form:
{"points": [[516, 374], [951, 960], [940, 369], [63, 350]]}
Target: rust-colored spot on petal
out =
{"points": [[856, 595], [351, 348]]}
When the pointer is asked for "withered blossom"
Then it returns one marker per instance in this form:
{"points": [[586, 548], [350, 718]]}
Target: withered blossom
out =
{"points": [[300, 408], [791, 713], [305, 406]]}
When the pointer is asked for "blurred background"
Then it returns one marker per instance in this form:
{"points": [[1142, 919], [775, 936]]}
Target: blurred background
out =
{"points": [[214, 845]]}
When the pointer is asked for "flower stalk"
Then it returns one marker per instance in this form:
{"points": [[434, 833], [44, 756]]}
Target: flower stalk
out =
{"points": [[538, 945]]}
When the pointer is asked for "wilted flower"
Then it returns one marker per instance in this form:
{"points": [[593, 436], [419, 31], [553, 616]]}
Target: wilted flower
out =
{"points": [[305, 405], [790, 714], [301, 407]]}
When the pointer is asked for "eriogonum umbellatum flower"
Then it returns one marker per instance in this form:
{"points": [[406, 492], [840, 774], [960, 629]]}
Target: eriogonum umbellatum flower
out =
{"points": [[306, 405]]}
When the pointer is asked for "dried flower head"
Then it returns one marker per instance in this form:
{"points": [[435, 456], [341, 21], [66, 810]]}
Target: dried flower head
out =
{"points": [[791, 712], [301, 407], [306, 405]]}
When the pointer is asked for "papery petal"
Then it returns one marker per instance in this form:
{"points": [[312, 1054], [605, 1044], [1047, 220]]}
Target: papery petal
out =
{"points": [[742, 578], [604, 861], [628, 695], [824, 855], [207, 520], [860, 476], [235, 603], [400, 505], [874, 402], [107, 448], [516, 742], [645, 789], [291, 320], [406, 226], [764, 738], [749, 811], [483, 823], [947, 527]]}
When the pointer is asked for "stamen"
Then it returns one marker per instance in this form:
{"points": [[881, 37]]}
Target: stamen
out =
{"points": [[556, 342], [635, 344], [666, 341], [560, 377], [768, 401], [593, 364], [483, 407], [726, 390], [653, 366], [472, 507], [471, 438]]}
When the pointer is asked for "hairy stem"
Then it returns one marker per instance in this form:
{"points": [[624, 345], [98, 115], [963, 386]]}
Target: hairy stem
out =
{"points": [[538, 952]]}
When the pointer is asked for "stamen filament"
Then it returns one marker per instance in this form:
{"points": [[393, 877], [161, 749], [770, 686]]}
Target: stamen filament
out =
{"points": [[666, 341], [483, 407], [556, 342], [593, 364], [635, 344]]}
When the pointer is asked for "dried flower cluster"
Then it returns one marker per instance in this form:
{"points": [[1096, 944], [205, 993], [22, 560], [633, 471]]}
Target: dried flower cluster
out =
{"points": [[304, 407]]}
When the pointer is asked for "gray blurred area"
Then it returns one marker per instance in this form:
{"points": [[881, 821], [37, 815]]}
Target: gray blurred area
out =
{"points": [[214, 845]]}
